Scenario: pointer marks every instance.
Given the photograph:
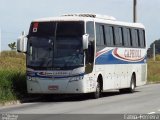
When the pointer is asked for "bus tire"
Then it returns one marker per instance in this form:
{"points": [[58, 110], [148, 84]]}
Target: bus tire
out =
{"points": [[97, 93], [132, 84], [132, 87]]}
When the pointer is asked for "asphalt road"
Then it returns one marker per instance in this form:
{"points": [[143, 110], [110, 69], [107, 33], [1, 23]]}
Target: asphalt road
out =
{"points": [[146, 100]]}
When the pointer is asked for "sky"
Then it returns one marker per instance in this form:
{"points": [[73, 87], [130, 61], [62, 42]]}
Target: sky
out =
{"points": [[16, 15]]}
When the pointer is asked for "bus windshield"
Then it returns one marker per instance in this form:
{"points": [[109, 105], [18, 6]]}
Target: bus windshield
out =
{"points": [[55, 45]]}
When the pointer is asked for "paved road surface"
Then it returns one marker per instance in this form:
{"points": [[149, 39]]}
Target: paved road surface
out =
{"points": [[146, 100]]}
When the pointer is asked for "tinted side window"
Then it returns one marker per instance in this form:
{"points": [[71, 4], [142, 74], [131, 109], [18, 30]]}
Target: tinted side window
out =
{"points": [[91, 47], [127, 37], [109, 35], [142, 38], [90, 30], [98, 40], [121, 29], [100, 36], [134, 37], [130, 34], [137, 38], [118, 36]]}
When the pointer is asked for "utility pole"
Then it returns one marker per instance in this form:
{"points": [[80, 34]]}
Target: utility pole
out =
{"points": [[154, 52], [134, 11]]}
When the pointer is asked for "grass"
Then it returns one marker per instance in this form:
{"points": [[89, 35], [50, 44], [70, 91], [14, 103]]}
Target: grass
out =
{"points": [[12, 76], [154, 70]]}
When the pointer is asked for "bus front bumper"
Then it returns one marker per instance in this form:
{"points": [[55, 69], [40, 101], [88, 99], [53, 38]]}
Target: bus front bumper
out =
{"points": [[61, 86]]}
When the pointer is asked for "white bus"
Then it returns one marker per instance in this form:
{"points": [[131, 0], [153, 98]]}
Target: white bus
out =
{"points": [[84, 53]]}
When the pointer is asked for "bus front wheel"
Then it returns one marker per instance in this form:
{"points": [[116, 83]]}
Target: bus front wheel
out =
{"points": [[97, 92]]}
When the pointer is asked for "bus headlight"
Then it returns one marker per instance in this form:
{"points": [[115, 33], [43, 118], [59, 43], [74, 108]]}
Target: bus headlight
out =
{"points": [[31, 78], [76, 78]]}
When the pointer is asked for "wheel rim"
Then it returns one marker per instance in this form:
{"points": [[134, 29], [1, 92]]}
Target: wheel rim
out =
{"points": [[132, 86]]}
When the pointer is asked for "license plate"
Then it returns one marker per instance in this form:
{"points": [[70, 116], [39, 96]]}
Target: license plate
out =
{"points": [[53, 87]]}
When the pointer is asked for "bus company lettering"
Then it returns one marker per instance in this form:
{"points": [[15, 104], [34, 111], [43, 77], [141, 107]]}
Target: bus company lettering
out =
{"points": [[130, 53], [54, 73]]}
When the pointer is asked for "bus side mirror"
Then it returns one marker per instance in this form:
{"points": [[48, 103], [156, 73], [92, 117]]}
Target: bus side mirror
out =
{"points": [[85, 41], [22, 44]]}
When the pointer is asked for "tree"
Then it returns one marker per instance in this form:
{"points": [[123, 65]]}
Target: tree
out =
{"points": [[157, 48], [12, 46]]}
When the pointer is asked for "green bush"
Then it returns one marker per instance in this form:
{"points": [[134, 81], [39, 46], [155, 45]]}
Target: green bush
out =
{"points": [[12, 76]]}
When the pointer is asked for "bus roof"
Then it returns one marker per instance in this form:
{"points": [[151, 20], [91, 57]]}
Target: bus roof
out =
{"points": [[90, 17]]}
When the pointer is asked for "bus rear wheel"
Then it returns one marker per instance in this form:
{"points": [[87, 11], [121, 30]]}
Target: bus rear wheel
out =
{"points": [[132, 87], [132, 84]]}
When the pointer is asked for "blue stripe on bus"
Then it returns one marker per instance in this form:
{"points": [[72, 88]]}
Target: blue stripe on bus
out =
{"points": [[108, 58]]}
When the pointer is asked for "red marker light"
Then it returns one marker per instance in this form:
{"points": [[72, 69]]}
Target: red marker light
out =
{"points": [[35, 26]]}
